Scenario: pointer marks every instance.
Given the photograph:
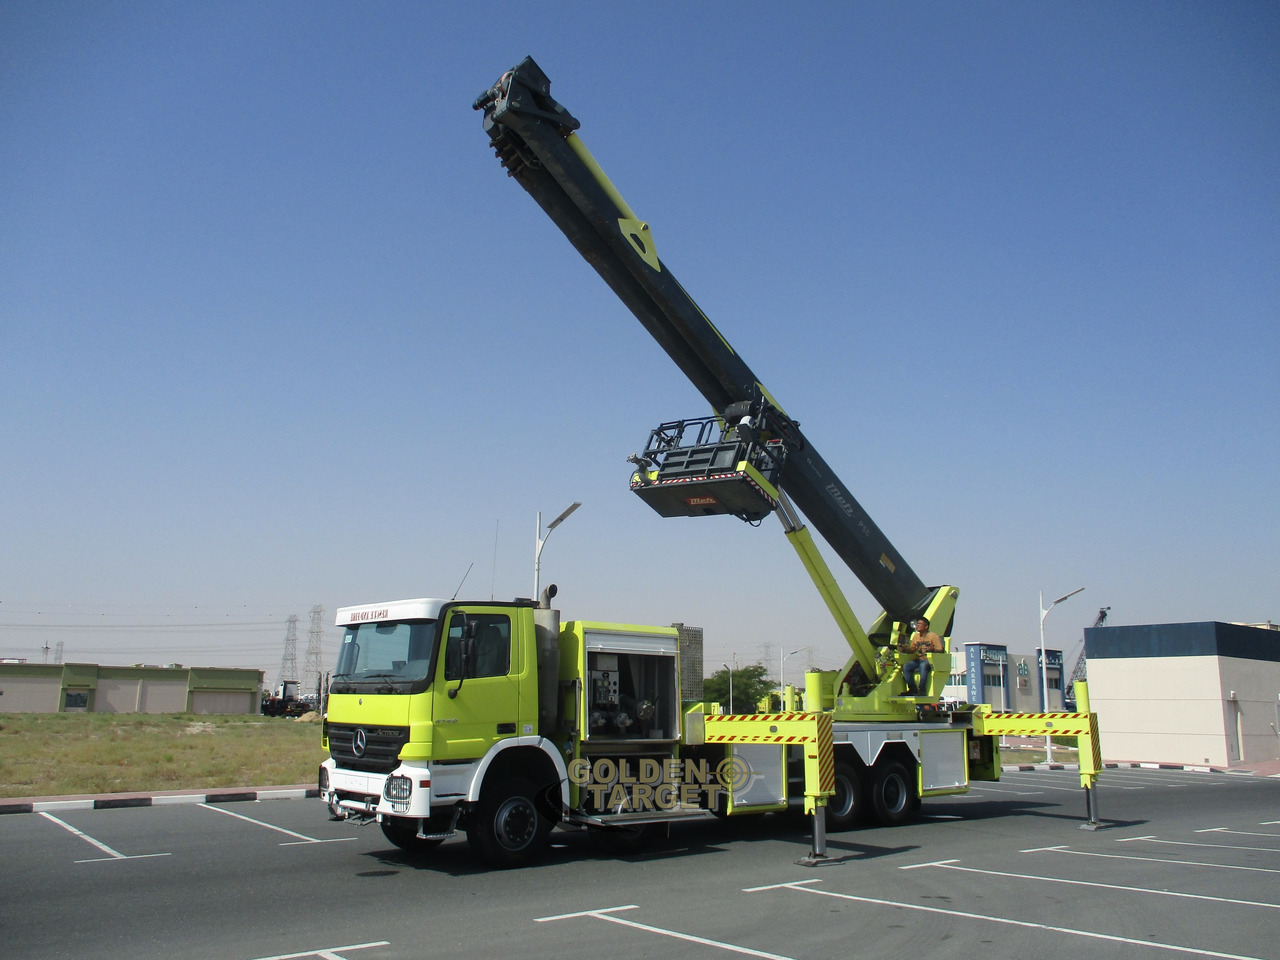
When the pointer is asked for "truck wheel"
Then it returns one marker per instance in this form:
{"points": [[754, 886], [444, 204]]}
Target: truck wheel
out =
{"points": [[506, 829], [844, 809], [404, 834], [892, 792]]}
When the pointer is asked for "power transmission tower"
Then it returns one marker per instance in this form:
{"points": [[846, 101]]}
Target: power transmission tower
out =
{"points": [[314, 668], [289, 662]]}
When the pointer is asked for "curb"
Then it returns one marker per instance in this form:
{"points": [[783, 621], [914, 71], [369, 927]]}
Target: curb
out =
{"points": [[1028, 767], [1186, 767], [1191, 768], [117, 801]]}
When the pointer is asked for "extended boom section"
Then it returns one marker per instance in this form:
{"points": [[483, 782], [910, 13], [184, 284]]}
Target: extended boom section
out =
{"points": [[535, 138]]}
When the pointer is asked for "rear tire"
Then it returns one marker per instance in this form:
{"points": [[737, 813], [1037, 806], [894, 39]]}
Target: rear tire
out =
{"points": [[507, 829], [404, 834], [892, 793], [844, 809]]}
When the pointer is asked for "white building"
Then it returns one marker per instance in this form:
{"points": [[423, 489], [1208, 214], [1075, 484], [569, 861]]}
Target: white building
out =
{"points": [[1190, 693]]}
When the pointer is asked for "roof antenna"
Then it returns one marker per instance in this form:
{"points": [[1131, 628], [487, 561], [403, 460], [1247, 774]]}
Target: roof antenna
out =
{"points": [[463, 580], [497, 525]]}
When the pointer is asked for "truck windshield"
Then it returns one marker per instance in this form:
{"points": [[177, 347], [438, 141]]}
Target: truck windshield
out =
{"points": [[386, 654]]}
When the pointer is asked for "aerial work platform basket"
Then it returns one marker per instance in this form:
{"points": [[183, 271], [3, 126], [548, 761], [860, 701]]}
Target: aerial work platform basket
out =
{"points": [[698, 467]]}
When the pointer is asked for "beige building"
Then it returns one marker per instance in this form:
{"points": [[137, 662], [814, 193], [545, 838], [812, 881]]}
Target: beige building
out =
{"points": [[1186, 693], [90, 688]]}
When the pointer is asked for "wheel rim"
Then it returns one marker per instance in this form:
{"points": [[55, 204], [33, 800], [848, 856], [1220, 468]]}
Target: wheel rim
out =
{"points": [[516, 823], [842, 802], [893, 793]]}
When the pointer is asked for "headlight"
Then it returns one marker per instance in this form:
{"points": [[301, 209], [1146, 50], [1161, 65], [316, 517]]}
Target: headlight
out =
{"points": [[397, 788], [324, 778]]}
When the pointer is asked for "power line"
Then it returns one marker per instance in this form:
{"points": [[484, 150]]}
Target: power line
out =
{"points": [[223, 625]]}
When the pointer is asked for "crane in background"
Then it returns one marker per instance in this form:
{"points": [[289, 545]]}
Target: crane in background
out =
{"points": [[1079, 671]]}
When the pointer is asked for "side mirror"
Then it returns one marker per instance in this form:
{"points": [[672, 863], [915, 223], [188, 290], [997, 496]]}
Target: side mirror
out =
{"points": [[466, 647]]}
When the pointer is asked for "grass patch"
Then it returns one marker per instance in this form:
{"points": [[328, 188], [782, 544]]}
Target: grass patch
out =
{"points": [[59, 754]]}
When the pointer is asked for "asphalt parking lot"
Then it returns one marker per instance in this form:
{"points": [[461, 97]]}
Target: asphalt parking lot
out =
{"points": [[1187, 864]]}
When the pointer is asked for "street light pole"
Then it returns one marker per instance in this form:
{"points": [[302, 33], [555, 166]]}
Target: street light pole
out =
{"points": [[1004, 693], [782, 665], [730, 672], [540, 540], [1044, 665]]}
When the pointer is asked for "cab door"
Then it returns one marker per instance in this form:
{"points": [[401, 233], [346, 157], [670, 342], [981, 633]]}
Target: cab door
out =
{"points": [[477, 683]]}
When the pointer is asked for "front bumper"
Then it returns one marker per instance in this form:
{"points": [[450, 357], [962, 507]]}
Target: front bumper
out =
{"points": [[355, 793]]}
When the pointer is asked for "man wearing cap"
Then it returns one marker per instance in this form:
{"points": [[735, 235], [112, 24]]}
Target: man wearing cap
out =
{"points": [[916, 670]]}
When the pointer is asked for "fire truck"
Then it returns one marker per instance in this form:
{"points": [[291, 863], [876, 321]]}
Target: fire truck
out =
{"points": [[504, 721]]}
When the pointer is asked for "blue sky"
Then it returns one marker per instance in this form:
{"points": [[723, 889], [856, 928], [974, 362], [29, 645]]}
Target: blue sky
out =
{"points": [[278, 331]]}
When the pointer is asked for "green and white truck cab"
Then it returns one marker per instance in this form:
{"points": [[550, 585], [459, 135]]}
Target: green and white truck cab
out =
{"points": [[446, 714]]}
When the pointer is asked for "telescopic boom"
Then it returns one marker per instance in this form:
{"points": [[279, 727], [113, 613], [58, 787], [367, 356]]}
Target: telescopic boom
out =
{"points": [[535, 138]]}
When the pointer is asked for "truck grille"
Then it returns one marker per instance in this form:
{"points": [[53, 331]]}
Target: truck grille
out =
{"points": [[381, 747]]}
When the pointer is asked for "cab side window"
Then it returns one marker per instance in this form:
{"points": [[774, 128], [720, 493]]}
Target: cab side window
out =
{"points": [[490, 650]]}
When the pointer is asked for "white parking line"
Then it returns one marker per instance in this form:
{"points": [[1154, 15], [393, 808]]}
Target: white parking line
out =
{"points": [[329, 953], [951, 865], [1178, 863], [1044, 786], [1155, 779], [302, 837], [1189, 843], [988, 788], [110, 853], [803, 886], [1239, 833], [1078, 790], [606, 913]]}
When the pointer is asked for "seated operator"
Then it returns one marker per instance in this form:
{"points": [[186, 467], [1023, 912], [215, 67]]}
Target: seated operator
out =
{"points": [[916, 670]]}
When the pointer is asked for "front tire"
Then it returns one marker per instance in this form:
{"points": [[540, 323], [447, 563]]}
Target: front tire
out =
{"points": [[507, 829], [892, 793], [404, 834]]}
